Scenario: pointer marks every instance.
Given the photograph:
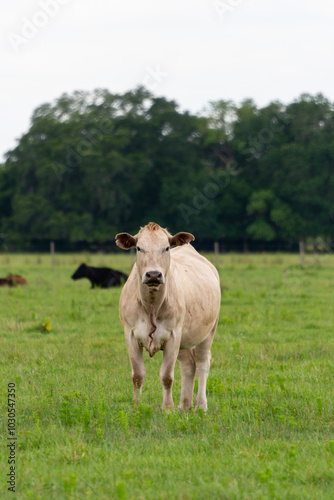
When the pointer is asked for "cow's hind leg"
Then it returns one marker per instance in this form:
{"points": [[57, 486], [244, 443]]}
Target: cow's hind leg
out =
{"points": [[137, 363], [187, 362], [203, 357]]}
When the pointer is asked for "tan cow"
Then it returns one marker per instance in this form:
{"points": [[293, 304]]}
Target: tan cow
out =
{"points": [[171, 303]]}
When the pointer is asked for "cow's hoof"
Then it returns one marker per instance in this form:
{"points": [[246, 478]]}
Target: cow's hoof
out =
{"points": [[186, 404], [203, 407], [168, 408], [185, 407]]}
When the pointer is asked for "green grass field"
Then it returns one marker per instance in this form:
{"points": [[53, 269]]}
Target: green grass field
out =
{"points": [[269, 429]]}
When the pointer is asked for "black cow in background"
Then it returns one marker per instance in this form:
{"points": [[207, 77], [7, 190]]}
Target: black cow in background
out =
{"points": [[103, 277]]}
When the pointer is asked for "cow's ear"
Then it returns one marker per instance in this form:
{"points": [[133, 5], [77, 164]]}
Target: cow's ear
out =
{"points": [[125, 241], [181, 239]]}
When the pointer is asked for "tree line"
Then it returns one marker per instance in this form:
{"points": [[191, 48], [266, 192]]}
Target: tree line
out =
{"points": [[95, 163]]}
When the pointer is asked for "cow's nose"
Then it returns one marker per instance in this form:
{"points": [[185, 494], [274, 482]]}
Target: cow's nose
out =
{"points": [[153, 275]]}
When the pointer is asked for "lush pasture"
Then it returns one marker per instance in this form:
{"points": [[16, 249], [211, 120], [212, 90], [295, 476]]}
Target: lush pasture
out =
{"points": [[269, 430]]}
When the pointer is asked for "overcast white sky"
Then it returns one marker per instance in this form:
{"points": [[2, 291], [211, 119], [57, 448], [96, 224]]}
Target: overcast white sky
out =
{"points": [[192, 51]]}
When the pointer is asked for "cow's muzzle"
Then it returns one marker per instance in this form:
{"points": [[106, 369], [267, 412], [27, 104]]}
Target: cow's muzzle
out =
{"points": [[153, 278]]}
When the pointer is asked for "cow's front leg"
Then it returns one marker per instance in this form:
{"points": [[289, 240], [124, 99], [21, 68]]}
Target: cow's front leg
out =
{"points": [[171, 351], [138, 368], [187, 362]]}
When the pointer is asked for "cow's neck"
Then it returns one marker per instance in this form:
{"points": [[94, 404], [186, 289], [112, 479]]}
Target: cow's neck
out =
{"points": [[152, 300]]}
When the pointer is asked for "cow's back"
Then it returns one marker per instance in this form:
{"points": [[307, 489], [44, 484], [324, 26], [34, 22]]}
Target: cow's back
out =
{"points": [[187, 257]]}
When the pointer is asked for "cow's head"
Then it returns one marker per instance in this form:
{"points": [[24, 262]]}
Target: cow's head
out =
{"points": [[153, 245], [81, 272]]}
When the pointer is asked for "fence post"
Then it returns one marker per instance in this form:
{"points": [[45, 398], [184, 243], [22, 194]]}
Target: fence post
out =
{"points": [[216, 250]]}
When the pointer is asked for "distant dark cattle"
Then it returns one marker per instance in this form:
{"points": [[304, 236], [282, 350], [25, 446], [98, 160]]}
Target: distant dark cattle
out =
{"points": [[6, 282], [17, 279], [103, 277]]}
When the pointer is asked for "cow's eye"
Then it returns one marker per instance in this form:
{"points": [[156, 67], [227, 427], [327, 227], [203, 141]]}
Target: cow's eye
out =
{"points": [[167, 249], [138, 249]]}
